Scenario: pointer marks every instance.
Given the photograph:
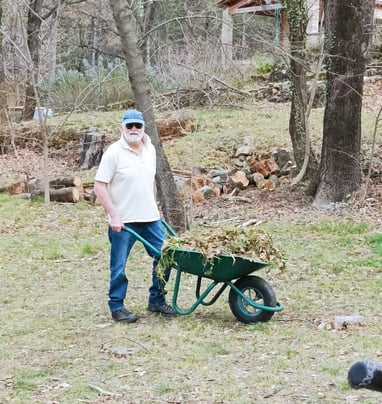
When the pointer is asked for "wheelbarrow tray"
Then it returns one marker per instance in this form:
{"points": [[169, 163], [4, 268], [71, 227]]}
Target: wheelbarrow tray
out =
{"points": [[220, 268]]}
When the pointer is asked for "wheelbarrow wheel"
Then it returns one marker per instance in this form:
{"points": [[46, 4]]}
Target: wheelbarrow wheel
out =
{"points": [[254, 289]]}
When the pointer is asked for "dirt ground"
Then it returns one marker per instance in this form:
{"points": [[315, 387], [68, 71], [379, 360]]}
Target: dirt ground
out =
{"points": [[285, 203]]}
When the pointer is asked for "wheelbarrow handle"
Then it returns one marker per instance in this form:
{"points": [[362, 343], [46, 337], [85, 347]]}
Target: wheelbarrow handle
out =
{"points": [[170, 230], [154, 250]]}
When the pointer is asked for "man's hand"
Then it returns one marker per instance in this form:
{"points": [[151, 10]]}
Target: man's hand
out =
{"points": [[115, 223], [102, 193]]}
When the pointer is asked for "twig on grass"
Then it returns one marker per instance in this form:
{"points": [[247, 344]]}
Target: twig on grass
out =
{"points": [[251, 222], [211, 78], [129, 339], [218, 222], [83, 259], [103, 392], [236, 198]]}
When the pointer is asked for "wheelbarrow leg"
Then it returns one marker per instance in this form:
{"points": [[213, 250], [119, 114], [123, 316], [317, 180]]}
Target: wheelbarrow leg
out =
{"points": [[199, 297], [216, 296]]}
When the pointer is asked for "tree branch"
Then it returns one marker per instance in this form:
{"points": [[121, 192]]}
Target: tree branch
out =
{"points": [[214, 78]]}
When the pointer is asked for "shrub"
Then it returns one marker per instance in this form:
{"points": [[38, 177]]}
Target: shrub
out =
{"points": [[72, 90]]}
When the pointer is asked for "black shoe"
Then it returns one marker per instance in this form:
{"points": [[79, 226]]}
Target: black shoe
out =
{"points": [[124, 316], [164, 309]]}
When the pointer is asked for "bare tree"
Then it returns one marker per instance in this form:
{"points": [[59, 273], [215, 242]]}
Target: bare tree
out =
{"points": [[299, 128], [3, 95], [348, 28], [168, 195], [37, 14], [33, 31], [147, 24]]}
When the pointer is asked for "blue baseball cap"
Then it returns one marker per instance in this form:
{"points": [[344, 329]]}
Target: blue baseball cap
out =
{"points": [[132, 116]]}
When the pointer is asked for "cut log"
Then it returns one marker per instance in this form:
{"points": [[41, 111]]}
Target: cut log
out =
{"points": [[207, 191], [236, 181], [197, 196], [72, 181], [240, 179], [219, 172], [266, 184], [265, 167], [275, 179], [68, 194], [244, 150], [176, 124], [198, 181], [255, 178], [89, 195], [18, 188]]}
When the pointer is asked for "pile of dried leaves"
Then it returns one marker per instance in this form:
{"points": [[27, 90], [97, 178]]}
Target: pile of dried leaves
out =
{"points": [[249, 242]]}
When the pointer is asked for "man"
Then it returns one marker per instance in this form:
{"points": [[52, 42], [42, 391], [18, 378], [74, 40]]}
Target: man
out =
{"points": [[125, 187]]}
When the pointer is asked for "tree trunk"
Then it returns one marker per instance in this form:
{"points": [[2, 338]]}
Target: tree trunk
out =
{"points": [[297, 15], [92, 149], [33, 31], [149, 14], [169, 198], [348, 30], [45, 153], [3, 95]]}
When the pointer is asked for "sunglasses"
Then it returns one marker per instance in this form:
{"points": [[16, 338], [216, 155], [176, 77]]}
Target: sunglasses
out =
{"points": [[136, 124]]}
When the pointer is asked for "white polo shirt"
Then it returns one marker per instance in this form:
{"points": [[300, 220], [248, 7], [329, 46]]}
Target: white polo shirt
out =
{"points": [[131, 180]]}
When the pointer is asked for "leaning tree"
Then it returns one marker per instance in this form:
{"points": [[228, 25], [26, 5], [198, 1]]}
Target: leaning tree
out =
{"points": [[168, 195]]}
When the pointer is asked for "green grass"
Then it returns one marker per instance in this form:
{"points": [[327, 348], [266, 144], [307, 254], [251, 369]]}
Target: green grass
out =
{"points": [[29, 380], [264, 125], [376, 241], [226, 130]]}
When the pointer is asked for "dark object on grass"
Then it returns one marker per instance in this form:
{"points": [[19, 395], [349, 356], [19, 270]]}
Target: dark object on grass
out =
{"points": [[366, 374]]}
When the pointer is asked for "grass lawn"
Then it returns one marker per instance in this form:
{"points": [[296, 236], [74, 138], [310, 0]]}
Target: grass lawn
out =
{"points": [[58, 344]]}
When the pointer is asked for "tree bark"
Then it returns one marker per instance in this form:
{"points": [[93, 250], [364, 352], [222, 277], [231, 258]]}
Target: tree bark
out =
{"points": [[297, 15], [169, 198], [149, 14], [3, 95], [92, 149], [33, 31], [348, 29]]}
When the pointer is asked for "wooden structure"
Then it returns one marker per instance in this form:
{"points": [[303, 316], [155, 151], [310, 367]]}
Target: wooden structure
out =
{"points": [[276, 9], [267, 8], [377, 31]]}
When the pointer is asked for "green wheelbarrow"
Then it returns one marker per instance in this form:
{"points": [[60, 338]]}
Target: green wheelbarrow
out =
{"points": [[251, 298]]}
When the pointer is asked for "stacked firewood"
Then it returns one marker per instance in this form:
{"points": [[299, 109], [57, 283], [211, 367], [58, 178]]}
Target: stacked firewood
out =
{"points": [[224, 181], [64, 189], [256, 170]]}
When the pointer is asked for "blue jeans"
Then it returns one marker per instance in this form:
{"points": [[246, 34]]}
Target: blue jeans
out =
{"points": [[121, 245]]}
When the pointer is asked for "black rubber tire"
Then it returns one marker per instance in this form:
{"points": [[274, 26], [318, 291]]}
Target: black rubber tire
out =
{"points": [[259, 291]]}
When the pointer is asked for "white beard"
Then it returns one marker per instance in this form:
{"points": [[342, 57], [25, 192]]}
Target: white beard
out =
{"points": [[133, 138]]}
